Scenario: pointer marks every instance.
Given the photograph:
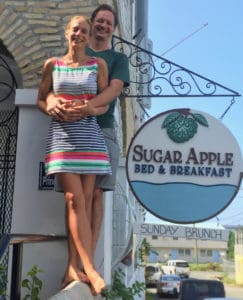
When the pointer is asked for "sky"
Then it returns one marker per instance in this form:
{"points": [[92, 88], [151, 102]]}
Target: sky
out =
{"points": [[178, 32]]}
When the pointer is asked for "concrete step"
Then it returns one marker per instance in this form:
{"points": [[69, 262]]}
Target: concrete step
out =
{"points": [[76, 290]]}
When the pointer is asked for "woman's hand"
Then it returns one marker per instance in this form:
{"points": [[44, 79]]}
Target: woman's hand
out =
{"points": [[74, 110], [66, 110], [55, 107]]}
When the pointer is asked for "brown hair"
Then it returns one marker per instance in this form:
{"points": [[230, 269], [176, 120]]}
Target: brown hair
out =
{"points": [[105, 7]]}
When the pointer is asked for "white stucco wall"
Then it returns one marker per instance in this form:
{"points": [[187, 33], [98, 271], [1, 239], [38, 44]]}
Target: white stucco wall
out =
{"points": [[36, 211]]}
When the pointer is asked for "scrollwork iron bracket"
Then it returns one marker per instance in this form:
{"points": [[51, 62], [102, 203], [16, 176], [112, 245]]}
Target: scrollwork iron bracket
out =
{"points": [[156, 76]]}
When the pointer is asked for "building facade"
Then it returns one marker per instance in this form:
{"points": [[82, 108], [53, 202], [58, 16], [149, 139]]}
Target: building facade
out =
{"points": [[32, 31]]}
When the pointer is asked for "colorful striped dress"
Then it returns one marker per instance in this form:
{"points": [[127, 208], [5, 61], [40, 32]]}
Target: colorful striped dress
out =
{"points": [[76, 147]]}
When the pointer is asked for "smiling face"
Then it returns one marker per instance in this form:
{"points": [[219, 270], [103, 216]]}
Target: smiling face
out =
{"points": [[78, 31], [103, 25]]}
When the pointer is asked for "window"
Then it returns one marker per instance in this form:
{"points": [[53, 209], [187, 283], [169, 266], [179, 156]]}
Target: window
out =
{"points": [[181, 252], [184, 252], [206, 252], [154, 237], [182, 264]]}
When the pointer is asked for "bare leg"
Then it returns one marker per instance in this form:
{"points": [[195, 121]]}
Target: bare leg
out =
{"points": [[73, 270], [89, 183], [94, 209], [80, 228], [97, 216]]}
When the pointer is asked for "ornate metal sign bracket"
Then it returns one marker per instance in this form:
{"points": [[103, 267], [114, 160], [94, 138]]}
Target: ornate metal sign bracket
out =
{"points": [[156, 76]]}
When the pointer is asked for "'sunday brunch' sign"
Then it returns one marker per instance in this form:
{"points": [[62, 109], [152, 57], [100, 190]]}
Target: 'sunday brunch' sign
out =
{"points": [[181, 232], [184, 166]]}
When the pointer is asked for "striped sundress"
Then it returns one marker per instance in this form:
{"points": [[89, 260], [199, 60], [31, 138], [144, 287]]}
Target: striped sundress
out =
{"points": [[76, 147]]}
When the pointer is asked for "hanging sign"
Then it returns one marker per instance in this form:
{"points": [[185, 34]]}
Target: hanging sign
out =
{"points": [[184, 166], [185, 232]]}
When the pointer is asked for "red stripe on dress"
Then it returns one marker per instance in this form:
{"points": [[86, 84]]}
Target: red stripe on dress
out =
{"points": [[74, 97], [73, 155], [88, 63]]}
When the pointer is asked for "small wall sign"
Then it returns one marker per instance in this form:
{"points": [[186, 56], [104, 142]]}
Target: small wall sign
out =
{"points": [[184, 166], [45, 182]]}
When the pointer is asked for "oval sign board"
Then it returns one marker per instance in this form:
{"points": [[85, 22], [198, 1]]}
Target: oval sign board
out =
{"points": [[184, 166]]}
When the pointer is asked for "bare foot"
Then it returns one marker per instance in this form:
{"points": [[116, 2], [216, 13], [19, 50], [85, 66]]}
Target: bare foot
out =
{"points": [[83, 277], [97, 283], [73, 274]]}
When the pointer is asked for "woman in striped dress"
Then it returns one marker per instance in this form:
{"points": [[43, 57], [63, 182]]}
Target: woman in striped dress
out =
{"points": [[76, 151]]}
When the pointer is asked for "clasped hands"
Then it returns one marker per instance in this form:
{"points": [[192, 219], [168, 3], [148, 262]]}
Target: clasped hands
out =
{"points": [[67, 110]]}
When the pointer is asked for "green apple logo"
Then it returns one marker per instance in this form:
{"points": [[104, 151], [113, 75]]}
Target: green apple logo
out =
{"points": [[182, 125]]}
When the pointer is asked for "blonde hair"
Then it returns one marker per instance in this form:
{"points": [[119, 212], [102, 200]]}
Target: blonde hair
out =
{"points": [[85, 18]]}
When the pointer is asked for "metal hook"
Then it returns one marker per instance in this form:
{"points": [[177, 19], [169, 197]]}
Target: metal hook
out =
{"points": [[232, 102]]}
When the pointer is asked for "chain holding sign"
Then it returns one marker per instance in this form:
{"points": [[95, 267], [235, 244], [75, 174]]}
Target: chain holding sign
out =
{"points": [[184, 166]]}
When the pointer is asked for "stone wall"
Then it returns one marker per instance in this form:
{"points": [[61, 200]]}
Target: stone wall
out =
{"points": [[33, 30]]}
